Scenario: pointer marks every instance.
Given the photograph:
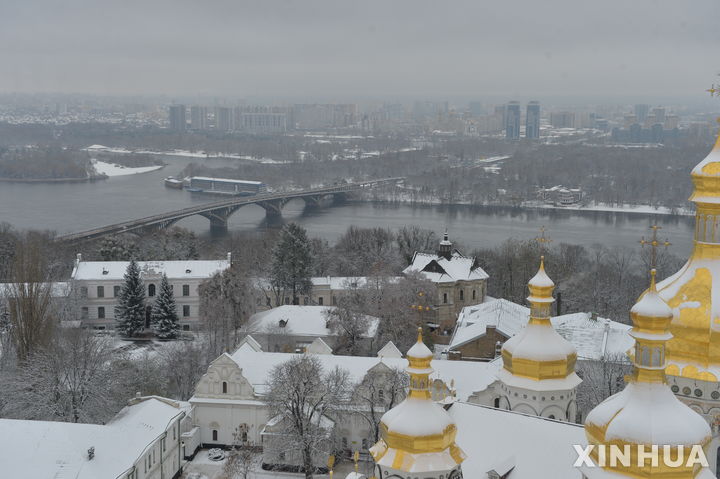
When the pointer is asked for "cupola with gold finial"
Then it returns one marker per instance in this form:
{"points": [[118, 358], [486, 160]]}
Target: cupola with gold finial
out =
{"points": [[646, 412], [538, 373], [418, 435], [693, 293]]}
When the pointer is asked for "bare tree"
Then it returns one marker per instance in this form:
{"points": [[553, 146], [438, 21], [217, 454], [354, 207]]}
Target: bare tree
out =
{"points": [[302, 394], [226, 302], [413, 238], [241, 460], [183, 363], [29, 296], [70, 379], [350, 324], [379, 391], [601, 379]]}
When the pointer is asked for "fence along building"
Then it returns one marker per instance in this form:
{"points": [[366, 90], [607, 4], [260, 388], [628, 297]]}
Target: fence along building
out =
{"points": [[98, 284]]}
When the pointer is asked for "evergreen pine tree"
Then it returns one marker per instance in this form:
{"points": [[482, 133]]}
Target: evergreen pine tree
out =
{"points": [[292, 262], [130, 310], [164, 313]]}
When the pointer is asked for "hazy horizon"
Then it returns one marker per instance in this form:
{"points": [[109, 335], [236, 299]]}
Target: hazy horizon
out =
{"points": [[332, 50]]}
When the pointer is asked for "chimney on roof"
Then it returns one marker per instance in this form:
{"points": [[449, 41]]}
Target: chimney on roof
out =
{"points": [[445, 248], [78, 258]]}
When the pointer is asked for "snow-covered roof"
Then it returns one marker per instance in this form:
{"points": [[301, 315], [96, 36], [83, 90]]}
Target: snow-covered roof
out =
{"points": [[439, 269], [299, 321], [115, 270], [469, 376], [542, 448], [593, 338], [389, 351], [47, 449], [318, 346], [335, 283]]}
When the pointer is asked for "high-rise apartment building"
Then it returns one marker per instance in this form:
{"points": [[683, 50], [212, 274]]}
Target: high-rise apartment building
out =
{"points": [[223, 118], [176, 117], [198, 118], [562, 119], [512, 121], [641, 112], [532, 121]]}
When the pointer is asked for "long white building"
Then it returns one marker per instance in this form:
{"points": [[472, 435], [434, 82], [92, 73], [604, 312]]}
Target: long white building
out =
{"points": [[98, 285]]}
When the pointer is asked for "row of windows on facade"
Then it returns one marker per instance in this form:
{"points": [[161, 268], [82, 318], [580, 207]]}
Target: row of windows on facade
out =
{"points": [[321, 300], [150, 460], [152, 290], [85, 312]]}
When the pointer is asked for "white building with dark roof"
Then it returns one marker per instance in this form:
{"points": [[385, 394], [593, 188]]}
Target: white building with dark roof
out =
{"points": [[99, 283], [459, 279]]}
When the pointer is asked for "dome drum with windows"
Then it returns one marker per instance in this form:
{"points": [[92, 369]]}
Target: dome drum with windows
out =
{"points": [[418, 435]]}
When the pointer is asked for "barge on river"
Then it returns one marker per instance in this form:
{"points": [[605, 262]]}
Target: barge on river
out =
{"points": [[224, 186], [172, 182]]}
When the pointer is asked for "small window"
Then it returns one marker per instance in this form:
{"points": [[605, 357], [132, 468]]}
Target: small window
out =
{"points": [[444, 298], [287, 300], [84, 312], [83, 292], [474, 295], [306, 300], [186, 290], [320, 300], [381, 395], [186, 327], [214, 435], [101, 312], [334, 301], [364, 443], [496, 403], [186, 310], [462, 295], [224, 386], [116, 291], [244, 436], [151, 289], [101, 291]]}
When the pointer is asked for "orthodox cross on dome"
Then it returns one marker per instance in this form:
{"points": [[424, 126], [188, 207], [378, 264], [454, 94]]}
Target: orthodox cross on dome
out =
{"points": [[542, 240], [713, 90], [654, 243]]}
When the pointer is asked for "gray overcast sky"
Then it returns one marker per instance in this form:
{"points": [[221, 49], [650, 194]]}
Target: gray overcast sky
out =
{"points": [[361, 47]]}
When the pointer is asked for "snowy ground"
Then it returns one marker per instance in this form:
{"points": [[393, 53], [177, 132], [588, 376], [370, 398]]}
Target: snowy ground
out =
{"points": [[201, 467], [111, 169]]}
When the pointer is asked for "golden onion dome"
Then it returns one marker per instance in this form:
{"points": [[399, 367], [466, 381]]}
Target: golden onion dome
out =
{"points": [[646, 412], [417, 426], [694, 350], [538, 352]]}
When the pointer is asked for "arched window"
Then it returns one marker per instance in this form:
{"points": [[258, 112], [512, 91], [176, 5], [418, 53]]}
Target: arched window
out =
{"points": [[444, 298], [214, 435], [496, 403], [224, 387], [381, 395], [151, 289], [645, 360], [474, 295], [551, 416], [462, 295]]}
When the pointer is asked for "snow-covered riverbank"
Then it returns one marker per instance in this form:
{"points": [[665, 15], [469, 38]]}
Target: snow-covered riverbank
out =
{"points": [[112, 169]]}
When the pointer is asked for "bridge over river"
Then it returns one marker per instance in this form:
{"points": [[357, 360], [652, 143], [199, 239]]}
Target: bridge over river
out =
{"points": [[218, 212]]}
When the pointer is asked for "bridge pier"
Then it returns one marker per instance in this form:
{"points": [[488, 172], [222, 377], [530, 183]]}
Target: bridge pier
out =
{"points": [[218, 221], [273, 208], [312, 202]]}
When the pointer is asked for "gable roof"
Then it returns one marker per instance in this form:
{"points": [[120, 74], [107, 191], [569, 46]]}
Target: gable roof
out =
{"points": [[439, 269], [299, 321], [115, 270], [542, 448], [59, 449], [469, 376], [593, 338]]}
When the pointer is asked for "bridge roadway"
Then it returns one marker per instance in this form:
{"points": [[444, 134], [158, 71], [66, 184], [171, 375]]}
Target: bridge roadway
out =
{"points": [[218, 212]]}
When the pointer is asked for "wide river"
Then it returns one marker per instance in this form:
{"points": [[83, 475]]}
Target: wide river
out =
{"points": [[72, 207]]}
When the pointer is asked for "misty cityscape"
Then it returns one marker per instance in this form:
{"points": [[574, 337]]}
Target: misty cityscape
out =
{"points": [[371, 240]]}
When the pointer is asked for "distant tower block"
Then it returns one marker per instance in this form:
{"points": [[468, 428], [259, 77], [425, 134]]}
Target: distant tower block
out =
{"points": [[512, 121], [532, 121]]}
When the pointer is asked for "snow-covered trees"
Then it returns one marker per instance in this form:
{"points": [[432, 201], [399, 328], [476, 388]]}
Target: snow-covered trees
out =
{"points": [[70, 379], [130, 309], [164, 312], [301, 394], [291, 263], [381, 389], [349, 323], [226, 301]]}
